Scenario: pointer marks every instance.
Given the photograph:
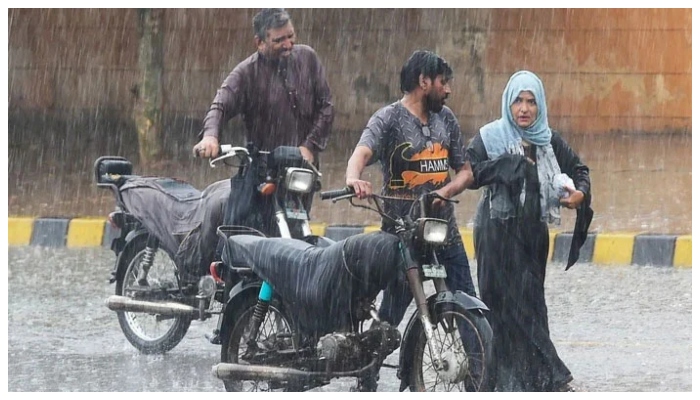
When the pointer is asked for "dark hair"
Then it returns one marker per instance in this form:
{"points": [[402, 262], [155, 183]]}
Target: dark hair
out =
{"points": [[269, 18], [423, 62]]}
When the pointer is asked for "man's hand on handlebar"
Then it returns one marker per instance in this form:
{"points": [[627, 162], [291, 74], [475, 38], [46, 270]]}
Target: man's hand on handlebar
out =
{"points": [[439, 199], [208, 147], [307, 154], [363, 189]]}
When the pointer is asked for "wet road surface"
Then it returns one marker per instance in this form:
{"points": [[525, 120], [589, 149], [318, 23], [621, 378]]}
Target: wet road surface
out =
{"points": [[624, 328]]}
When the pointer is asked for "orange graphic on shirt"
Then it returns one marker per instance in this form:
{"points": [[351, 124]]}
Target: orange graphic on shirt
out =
{"points": [[425, 166]]}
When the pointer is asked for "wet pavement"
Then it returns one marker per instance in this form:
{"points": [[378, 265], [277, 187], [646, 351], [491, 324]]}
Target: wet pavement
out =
{"points": [[621, 328]]}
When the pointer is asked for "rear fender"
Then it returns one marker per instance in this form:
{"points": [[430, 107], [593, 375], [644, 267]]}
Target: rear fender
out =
{"points": [[436, 303], [133, 239], [119, 243], [241, 289], [236, 300], [134, 234]]}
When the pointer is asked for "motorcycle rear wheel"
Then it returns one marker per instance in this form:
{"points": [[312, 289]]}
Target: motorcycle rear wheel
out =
{"points": [[149, 333], [469, 369], [234, 345]]}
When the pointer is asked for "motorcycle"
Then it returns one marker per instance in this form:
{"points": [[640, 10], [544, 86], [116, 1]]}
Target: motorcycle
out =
{"points": [[310, 325], [165, 271]]}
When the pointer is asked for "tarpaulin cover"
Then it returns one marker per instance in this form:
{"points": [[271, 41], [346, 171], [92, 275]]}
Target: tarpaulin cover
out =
{"points": [[182, 218], [319, 286]]}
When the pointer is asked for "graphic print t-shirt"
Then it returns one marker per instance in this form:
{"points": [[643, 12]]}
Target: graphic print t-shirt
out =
{"points": [[415, 160]]}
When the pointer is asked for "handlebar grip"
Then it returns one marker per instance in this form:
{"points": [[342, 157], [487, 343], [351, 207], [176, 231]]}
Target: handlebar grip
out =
{"points": [[222, 149], [433, 195], [332, 194]]}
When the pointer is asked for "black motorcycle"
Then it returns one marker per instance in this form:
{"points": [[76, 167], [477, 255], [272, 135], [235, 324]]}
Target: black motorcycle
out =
{"points": [[166, 267], [317, 321]]}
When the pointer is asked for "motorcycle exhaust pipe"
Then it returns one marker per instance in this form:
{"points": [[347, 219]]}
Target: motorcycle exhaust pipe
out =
{"points": [[257, 372], [167, 309]]}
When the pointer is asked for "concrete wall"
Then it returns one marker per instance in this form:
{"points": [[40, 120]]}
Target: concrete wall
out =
{"points": [[605, 70]]}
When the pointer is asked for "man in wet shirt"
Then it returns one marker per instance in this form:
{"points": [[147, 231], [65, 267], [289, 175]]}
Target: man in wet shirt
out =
{"points": [[417, 140], [283, 96], [281, 91], [284, 99]]}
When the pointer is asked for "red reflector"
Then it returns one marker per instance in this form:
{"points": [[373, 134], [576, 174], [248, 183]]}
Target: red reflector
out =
{"points": [[214, 272]]}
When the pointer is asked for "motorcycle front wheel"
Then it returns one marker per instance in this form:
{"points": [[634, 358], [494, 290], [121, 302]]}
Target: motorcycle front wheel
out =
{"points": [[149, 333], [275, 334], [465, 349]]}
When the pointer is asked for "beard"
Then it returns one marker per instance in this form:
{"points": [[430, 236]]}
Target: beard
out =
{"points": [[283, 54], [277, 55], [434, 103]]}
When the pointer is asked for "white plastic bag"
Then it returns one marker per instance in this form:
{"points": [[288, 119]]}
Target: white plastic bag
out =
{"points": [[561, 182]]}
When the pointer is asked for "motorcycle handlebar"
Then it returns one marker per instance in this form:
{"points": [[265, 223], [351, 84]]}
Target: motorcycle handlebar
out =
{"points": [[332, 194], [227, 151], [223, 149], [432, 195]]}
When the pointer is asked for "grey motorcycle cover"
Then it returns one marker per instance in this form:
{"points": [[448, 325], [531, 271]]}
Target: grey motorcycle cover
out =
{"points": [[320, 286], [182, 218]]}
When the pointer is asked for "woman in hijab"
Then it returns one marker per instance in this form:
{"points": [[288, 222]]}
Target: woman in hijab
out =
{"points": [[528, 172]]}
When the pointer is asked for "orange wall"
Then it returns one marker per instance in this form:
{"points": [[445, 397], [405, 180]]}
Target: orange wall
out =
{"points": [[605, 70]]}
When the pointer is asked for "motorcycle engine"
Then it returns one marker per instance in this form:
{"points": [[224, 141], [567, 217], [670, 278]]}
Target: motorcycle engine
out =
{"points": [[340, 350], [348, 351], [381, 339]]}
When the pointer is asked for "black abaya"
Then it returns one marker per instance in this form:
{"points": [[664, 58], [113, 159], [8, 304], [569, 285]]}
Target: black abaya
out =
{"points": [[511, 259]]}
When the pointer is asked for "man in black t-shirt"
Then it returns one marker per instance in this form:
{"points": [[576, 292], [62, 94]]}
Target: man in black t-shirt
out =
{"points": [[417, 140]]}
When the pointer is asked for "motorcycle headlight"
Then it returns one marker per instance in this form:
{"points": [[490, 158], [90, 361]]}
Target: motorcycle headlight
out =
{"points": [[299, 180], [432, 230]]}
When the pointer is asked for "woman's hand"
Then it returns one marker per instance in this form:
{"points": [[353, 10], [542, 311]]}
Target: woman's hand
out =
{"points": [[573, 200]]}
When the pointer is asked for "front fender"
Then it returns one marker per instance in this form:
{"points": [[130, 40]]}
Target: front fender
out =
{"points": [[466, 301], [436, 303]]}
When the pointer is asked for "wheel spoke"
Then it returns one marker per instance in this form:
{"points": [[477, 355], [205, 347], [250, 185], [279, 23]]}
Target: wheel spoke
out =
{"points": [[272, 325], [459, 342], [151, 333]]}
